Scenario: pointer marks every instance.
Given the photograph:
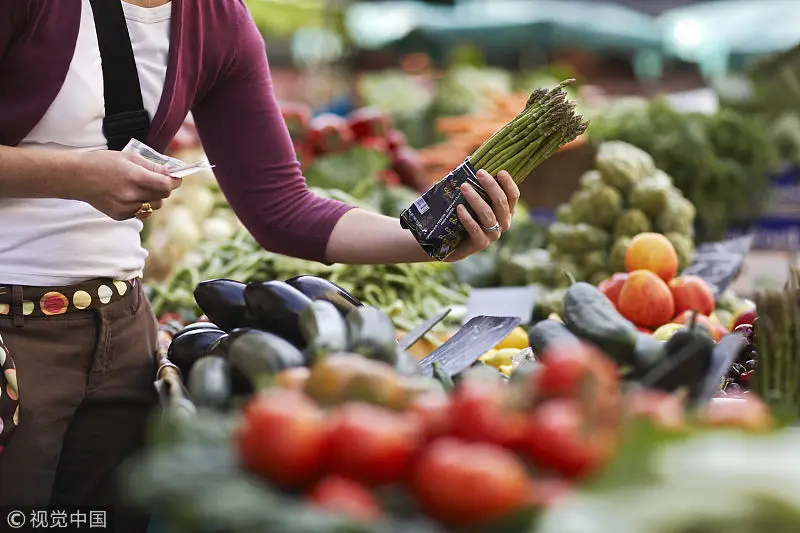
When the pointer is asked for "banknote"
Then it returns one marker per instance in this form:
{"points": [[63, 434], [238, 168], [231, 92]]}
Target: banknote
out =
{"points": [[175, 167]]}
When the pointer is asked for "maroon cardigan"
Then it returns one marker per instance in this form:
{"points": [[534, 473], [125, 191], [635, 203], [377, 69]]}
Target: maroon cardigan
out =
{"points": [[218, 69]]}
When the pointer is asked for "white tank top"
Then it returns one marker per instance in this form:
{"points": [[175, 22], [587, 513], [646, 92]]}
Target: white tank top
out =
{"points": [[61, 242]]}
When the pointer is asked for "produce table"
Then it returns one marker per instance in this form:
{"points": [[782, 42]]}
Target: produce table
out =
{"points": [[291, 402]]}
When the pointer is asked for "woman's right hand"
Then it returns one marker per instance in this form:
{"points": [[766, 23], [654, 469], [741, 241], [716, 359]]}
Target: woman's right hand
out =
{"points": [[117, 183]]}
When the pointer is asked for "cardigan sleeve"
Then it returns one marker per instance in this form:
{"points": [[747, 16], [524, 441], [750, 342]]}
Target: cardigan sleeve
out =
{"points": [[10, 11], [245, 137]]}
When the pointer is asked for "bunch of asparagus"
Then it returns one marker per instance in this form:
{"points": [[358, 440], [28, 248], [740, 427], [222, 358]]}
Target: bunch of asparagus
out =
{"points": [[547, 123], [777, 339]]}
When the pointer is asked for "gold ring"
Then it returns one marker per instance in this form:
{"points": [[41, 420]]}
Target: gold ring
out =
{"points": [[145, 211]]}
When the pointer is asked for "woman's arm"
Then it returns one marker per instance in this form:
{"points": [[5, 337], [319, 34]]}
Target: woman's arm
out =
{"points": [[36, 173], [244, 135]]}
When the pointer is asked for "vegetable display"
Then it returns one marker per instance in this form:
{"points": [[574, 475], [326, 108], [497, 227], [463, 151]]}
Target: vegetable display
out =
{"points": [[721, 162], [547, 122]]}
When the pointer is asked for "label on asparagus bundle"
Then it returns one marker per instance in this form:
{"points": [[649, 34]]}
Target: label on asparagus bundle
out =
{"points": [[175, 167], [433, 219], [718, 263]]}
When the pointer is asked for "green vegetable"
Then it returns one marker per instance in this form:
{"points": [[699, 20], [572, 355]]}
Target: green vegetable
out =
{"points": [[258, 355], [623, 165], [647, 353], [678, 217], [547, 123], [598, 206], [578, 238], [565, 214], [685, 336], [590, 179], [684, 247], [372, 334], [651, 195], [209, 382], [323, 329], [590, 315], [631, 223], [547, 333], [550, 302], [533, 266], [617, 256]]}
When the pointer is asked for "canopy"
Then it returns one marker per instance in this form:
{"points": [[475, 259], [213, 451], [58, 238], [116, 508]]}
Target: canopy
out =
{"points": [[515, 23]]}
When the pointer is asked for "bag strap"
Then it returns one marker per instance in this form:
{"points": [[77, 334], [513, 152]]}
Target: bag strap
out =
{"points": [[126, 117]]}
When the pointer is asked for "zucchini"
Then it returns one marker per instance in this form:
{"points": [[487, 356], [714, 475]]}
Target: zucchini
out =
{"points": [[590, 315], [686, 335], [548, 332], [209, 382], [323, 329], [277, 307], [186, 349], [372, 334], [257, 354], [222, 301]]}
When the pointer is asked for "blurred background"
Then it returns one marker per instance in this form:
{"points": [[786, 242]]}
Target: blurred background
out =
{"points": [[709, 88]]}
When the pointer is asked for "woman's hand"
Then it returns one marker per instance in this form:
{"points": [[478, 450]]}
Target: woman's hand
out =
{"points": [[504, 195], [117, 184]]}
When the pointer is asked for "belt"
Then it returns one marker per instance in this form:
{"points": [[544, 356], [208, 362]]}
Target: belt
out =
{"points": [[53, 301]]}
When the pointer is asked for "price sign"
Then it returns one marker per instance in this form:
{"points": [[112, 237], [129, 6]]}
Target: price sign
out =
{"points": [[718, 263]]}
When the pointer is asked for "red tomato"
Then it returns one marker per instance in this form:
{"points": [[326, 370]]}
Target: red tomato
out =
{"points": [[545, 492], [370, 444], [469, 484], [396, 139], [374, 143], [297, 117], [369, 122], [664, 410], [434, 413], [560, 439], [282, 437], [481, 411], [329, 134], [390, 177], [569, 370], [347, 498]]}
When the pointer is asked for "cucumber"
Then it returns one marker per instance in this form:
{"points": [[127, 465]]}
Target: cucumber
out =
{"points": [[323, 329], [209, 382], [256, 354], [590, 315], [647, 353], [549, 332], [372, 334]]}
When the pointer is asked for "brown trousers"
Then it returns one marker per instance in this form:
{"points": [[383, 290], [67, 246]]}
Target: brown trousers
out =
{"points": [[86, 392]]}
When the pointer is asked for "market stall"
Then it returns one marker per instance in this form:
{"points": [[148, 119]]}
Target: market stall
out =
{"points": [[533, 387]]}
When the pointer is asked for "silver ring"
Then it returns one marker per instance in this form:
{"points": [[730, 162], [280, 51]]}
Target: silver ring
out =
{"points": [[496, 227]]}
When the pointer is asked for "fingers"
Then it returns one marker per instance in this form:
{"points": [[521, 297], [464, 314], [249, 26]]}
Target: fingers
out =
{"points": [[146, 163], [510, 188], [502, 211], [478, 237], [484, 212]]}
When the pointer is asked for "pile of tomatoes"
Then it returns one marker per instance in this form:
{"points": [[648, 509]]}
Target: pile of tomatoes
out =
{"points": [[348, 428]]}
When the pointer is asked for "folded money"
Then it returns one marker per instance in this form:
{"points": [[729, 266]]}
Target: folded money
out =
{"points": [[175, 167]]}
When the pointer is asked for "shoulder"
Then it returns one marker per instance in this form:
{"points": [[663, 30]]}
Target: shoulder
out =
{"points": [[220, 14]]}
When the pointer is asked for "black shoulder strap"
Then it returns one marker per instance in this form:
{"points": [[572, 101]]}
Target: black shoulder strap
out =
{"points": [[126, 117]]}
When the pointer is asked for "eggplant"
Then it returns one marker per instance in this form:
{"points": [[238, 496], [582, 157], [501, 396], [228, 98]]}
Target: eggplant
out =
{"points": [[372, 334], [197, 326], [222, 301], [209, 382], [185, 350], [277, 307], [322, 289], [324, 330], [254, 354]]}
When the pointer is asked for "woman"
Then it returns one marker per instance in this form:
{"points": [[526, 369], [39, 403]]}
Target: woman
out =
{"points": [[72, 314]]}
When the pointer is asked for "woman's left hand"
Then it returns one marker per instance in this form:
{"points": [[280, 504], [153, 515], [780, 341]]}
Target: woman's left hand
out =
{"points": [[492, 220]]}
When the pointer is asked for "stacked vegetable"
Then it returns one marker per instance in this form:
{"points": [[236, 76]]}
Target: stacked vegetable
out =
{"points": [[358, 442], [409, 293], [721, 161]]}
